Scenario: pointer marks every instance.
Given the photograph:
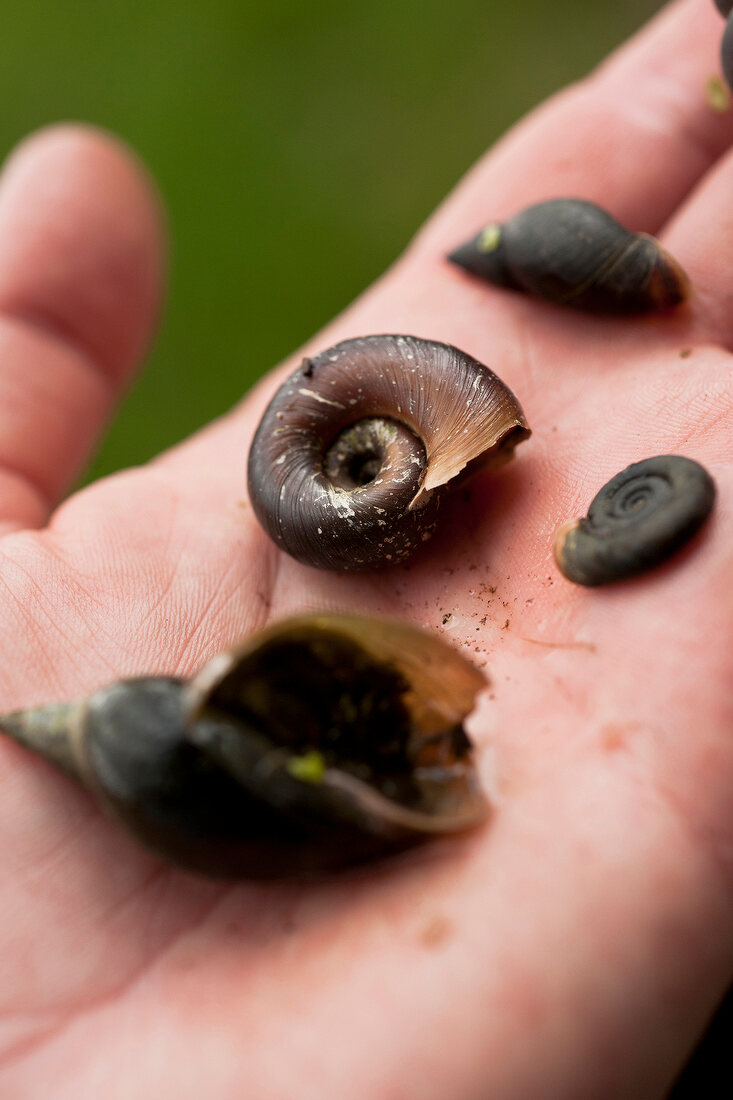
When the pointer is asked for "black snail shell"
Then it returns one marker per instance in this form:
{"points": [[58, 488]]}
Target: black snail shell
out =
{"points": [[725, 7], [321, 742], [638, 520], [573, 253], [350, 458], [726, 50]]}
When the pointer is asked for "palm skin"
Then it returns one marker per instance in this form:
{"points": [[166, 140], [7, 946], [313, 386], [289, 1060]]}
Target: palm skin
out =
{"points": [[575, 945]]}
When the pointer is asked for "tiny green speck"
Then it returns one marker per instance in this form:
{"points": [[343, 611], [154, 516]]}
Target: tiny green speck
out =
{"points": [[489, 238], [717, 93], [309, 768]]}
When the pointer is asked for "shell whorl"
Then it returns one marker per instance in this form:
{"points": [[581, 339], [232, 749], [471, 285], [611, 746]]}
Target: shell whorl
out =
{"points": [[347, 463], [636, 521]]}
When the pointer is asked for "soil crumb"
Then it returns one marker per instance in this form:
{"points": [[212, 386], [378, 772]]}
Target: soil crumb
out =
{"points": [[435, 931]]}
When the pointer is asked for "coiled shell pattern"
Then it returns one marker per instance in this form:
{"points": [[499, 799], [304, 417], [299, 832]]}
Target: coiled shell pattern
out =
{"points": [[350, 459]]}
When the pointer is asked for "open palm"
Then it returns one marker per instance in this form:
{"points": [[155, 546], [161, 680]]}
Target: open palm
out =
{"points": [[575, 945]]}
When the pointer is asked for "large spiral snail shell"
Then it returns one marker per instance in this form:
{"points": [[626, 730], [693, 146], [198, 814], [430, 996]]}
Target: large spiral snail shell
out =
{"points": [[347, 466], [320, 742]]}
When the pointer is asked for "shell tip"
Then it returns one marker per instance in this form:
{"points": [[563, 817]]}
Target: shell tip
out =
{"points": [[49, 732]]}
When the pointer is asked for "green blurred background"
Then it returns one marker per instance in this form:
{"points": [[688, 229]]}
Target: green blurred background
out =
{"points": [[298, 147]]}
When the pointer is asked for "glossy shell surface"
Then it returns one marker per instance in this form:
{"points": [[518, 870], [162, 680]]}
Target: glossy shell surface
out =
{"points": [[574, 253], [319, 743], [349, 461]]}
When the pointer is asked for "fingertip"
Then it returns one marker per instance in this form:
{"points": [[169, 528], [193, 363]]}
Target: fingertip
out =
{"points": [[83, 247]]}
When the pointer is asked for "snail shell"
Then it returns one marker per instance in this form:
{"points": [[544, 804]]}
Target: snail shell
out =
{"points": [[638, 520], [349, 461], [573, 253], [321, 742], [726, 48]]}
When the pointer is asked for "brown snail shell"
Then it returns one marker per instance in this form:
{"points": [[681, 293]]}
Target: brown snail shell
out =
{"points": [[320, 742], [349, 461], [574, 253]]}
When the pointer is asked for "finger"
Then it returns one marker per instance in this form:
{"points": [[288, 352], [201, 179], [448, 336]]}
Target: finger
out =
{"points": [[80, 276], [701, 235], [634, 136]]}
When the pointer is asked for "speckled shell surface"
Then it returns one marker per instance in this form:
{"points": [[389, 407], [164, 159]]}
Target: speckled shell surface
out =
{"points": [[442, 412]]}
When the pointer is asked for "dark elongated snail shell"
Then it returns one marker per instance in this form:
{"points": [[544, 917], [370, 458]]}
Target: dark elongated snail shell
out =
{"points": [[725, 7], [321, 742], [573, 253], [726, 49], [349, 461], [638, 520]]}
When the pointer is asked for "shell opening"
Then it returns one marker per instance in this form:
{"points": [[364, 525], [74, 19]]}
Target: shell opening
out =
{"points": [[370, 447], [323, 694]]}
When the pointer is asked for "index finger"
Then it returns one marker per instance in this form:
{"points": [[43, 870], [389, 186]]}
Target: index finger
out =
{"points": [[80, 285], [634, 136]]}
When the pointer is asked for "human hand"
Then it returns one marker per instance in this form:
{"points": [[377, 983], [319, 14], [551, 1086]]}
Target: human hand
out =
{"points": [[575, 945]]}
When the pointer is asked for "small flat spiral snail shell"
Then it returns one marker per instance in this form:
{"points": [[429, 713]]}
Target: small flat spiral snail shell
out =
{"points": [[638, 520], [347, 466], [320, 742], [573, 253]]}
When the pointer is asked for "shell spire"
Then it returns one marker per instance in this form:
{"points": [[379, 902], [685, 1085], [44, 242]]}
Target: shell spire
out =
{"points": [[52, 732]]}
